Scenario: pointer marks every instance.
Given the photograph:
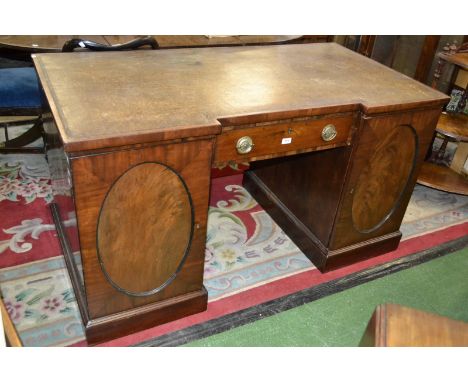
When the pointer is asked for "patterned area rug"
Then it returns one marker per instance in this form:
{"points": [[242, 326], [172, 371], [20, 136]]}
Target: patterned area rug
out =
{"points": [[245, 248]]}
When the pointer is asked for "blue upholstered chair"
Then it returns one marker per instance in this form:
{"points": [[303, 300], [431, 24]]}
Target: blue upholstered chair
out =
{"points": [[19, 90], [20, 95]]}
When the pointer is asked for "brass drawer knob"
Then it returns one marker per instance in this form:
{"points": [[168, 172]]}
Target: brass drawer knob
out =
{"points": [[329, 132], [244, 145]]}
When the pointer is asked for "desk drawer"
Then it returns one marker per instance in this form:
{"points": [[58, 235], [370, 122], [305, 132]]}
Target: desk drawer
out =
{"points": [[284, 138]]}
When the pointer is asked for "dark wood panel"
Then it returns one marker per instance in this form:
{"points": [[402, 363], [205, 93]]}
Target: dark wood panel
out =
{"points": [[366, 45], [301, 235], [384, 178], [309, 185], [428, 52], [372, 132], [93, 177], [146, 215]]}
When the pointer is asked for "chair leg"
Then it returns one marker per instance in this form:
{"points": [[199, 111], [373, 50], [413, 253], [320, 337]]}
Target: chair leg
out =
{"points": [[16, 145]]}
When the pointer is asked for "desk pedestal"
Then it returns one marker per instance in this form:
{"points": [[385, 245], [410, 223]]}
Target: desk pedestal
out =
{"points": [[346, 204], [132, 224]]}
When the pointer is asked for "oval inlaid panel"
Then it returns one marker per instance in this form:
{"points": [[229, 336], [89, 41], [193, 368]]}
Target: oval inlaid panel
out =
{"points": [[144, 229], [384, 179]]}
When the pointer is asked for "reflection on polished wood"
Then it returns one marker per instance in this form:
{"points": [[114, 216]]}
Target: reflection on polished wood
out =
{"points": [[396, 326], [442, 178]]}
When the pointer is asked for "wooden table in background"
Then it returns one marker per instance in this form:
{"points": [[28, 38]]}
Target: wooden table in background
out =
{"points": [[44, 44], [199, 41]]}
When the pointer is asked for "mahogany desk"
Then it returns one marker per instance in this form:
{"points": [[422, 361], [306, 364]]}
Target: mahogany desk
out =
{"points": [[335, 142]]}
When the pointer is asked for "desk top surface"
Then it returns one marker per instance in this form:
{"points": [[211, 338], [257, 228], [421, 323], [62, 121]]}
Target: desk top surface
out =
{"points": [[118, 98]]}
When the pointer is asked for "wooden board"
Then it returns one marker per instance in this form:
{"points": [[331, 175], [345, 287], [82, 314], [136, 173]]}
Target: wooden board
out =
{"points": [[117, 98], [397, 326]]}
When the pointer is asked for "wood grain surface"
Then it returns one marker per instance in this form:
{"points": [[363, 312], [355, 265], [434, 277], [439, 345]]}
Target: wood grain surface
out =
{"points": [[309, 185], [268, 139], [367, 147], [384, 178], [117, 98], [396, 325], [144, 229], [94, 176]]}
